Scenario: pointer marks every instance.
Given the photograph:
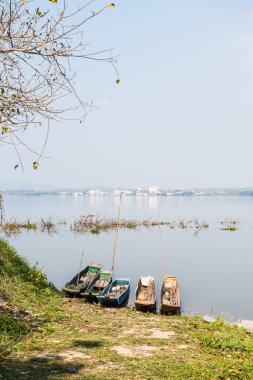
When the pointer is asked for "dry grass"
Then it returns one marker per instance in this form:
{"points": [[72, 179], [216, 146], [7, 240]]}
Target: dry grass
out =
{"points": [[48, 225], [229, 225], [14, 227], [95, 225]]}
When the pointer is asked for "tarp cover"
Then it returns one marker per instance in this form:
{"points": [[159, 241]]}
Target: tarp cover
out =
{"points": [[145, 280]]}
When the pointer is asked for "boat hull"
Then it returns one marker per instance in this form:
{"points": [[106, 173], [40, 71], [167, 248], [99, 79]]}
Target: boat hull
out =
{"points": [[73, 292], [139, 306], [168, 307], [169, 310], [90, 295], [106, 300], [74, 288], [148, 290]]}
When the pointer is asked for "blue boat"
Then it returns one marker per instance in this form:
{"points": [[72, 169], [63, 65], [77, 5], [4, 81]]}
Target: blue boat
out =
{"points": [[116, 293]]}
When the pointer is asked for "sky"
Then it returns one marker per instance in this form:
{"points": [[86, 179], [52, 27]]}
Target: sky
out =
{"points": [[182, 115]]}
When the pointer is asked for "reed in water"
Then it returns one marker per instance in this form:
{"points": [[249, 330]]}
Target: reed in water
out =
{"points": [[94, 225]]}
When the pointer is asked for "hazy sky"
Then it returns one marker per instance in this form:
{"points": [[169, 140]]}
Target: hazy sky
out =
{"points": [[183, 113]]}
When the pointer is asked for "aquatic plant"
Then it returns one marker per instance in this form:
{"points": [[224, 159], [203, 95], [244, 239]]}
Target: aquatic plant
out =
{"points": [[229, 225], [1, 207], [229, 228], [182, 224], [94, 225], [48, 225], [15, 227]]}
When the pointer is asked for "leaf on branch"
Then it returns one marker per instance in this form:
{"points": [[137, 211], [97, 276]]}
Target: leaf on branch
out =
{"points": [[5, 130], [53, 1], [117, 81], [16, 166], [38, 12], [23, 3], [111, 5], [35, 165]]}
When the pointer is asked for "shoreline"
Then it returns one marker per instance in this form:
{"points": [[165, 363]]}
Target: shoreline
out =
{"points": [[45, 336]]}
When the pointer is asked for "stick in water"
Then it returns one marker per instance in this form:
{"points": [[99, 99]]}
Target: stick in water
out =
{"points": [[116, 236], [80, 269], [160, 235]]}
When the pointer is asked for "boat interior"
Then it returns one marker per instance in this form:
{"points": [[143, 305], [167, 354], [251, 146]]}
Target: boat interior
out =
{"points": [[146, 289]]}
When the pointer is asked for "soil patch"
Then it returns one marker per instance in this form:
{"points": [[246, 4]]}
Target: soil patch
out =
{"points": [[159, 334], [135, 351], [74, 355]]}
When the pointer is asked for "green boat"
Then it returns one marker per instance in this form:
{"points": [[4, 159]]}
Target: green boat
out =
{"points": [[82, 280], [97, 286]]}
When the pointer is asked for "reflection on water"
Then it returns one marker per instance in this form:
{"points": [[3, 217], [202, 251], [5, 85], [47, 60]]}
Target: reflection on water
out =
{"points": [[214, 268]]}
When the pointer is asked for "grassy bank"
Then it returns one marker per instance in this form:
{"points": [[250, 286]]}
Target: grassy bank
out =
{"points": [[49, 337], [26, 298]]}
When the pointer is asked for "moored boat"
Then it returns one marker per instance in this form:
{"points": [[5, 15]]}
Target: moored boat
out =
{"points": [[170, 295], [145, 295], [82, 280], [97, 286], [116, 293]]}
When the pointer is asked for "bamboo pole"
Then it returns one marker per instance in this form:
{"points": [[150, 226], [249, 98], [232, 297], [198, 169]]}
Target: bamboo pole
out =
{"points": [[80, 268], [160, 236], [116, 236]]}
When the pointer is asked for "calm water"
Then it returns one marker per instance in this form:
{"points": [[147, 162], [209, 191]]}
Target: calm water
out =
{"points": [[214, 267]]}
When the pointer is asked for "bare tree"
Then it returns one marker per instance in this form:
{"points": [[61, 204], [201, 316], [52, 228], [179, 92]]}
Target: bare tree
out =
{"points": [[36, 49]]}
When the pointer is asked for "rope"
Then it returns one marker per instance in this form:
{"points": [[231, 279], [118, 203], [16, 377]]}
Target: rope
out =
{"points": [[160, 236], [116, 236]]}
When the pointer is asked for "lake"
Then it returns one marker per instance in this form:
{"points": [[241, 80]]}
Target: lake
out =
{"points": [[213, 266]]}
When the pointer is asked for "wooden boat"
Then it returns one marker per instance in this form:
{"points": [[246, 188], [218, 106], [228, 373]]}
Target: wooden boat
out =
{"points": [[97, 286], [145, 295], [82, 280], [170, 296], [116, 293]]}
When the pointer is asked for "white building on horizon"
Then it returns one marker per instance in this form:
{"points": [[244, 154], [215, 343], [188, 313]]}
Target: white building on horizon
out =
{"points": [[95, 192], [153, 190]]}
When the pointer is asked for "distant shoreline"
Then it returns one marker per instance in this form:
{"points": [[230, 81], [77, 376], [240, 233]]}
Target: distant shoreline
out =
{"points": [[132, 193]]}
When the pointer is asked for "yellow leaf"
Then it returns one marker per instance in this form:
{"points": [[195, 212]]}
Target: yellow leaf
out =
{"points": [[35, 165], [111, 5], [53, 1], [38, 12], [5, 130], [118, 81]]}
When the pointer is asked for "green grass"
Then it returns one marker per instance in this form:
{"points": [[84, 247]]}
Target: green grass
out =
{"points": [[25, 296], [93, 333], [45, 336]]}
